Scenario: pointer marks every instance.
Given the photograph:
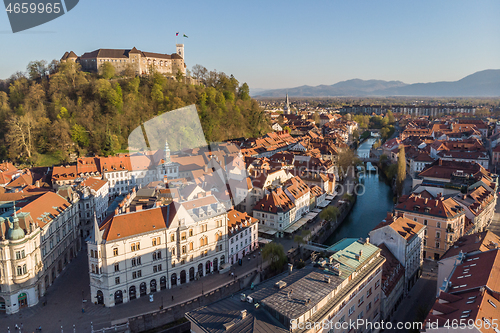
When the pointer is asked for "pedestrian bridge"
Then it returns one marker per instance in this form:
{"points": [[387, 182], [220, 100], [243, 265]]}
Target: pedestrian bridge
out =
{"points": [[316, 247], [369, 159]]}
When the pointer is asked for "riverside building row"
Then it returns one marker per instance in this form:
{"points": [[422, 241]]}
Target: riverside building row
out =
{"points": [[341, 288]]}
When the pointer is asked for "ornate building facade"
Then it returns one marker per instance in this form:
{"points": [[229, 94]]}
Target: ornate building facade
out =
{"points": [[37, 241]]}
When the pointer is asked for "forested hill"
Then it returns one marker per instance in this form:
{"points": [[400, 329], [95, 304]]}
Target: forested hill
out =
{"points": [[45, 118]]}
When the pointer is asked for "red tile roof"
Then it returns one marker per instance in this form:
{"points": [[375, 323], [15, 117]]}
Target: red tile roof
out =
{"points": [[236, 221], [135, 223], [446, 208], [46, 207]]}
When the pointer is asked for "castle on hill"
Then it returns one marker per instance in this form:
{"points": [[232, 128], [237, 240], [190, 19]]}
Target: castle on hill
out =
{"points": [[140, 61]]}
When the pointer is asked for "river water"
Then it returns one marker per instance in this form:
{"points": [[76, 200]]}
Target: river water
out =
{"points": [[371, 207]]}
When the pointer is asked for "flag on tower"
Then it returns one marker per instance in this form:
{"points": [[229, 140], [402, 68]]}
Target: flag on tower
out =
{"points": [[177, 34], [186, 36]]}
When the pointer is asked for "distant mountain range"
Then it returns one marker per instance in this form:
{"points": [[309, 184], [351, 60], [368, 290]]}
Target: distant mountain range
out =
{"points": [[480, 84]]}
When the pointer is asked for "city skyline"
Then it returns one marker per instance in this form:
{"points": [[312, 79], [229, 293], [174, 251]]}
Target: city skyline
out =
{"points": [[280, 44]]}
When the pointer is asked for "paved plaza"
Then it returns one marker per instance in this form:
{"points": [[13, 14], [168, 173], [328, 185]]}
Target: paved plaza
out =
{"points": [[64, 300]]}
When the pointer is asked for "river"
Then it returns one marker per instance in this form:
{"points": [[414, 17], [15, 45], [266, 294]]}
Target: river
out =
{"points": [[371, 207]]}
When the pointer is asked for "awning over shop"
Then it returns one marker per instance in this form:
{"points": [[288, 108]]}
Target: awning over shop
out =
{"points": [[264, 240], [296, 226], [324, 204], [331, 197], [266, 230]]}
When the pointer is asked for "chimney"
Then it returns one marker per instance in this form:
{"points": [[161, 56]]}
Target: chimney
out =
{"points": [[37, 184], [243, 314], [127, 210], [138, 208], [367, 240], [389, 216], [157, 203], [116, 211], [207, 193], [440, 162]]}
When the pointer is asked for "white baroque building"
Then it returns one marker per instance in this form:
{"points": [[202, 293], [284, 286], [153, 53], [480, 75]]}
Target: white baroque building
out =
{"points": [[137, 253], [37, 241]]}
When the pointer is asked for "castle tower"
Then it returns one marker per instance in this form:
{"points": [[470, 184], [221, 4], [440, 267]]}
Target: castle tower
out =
{"points": [[180, 50]]}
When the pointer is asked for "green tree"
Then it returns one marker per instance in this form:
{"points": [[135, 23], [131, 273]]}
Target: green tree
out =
{"points": [[107, 70], [275, 253], [79, 135], [244, 92], [329, 214], [179, 76], [390, 117], [286, 128], [401, 173], [37, 69], [346, 161], [301, 239], [355, 135]]}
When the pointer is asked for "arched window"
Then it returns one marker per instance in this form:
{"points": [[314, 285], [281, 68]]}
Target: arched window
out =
{"points": [[93, 268], [191, 247], [183, 249], [183, 236], [92, 253], [172, 237], [173, 251], [190, 232]]}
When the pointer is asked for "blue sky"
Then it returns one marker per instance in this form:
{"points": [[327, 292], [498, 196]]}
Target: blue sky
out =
{"points": [[278, 44]]}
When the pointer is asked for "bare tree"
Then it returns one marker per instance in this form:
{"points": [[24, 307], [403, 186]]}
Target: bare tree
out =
{"points": [[20, 134]]}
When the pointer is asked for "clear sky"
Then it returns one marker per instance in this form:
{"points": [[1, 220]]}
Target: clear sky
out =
{"points": [[278, 44]]}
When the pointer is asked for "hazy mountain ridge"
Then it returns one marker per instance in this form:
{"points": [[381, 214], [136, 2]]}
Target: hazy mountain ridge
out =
{"points": [[480, 84]]}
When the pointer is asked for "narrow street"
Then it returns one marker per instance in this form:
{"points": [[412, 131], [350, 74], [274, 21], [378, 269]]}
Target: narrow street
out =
{"points": [[422, 296]]}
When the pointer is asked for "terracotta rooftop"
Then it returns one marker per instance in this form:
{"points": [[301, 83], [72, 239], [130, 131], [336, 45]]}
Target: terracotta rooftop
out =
{"points": [[276, 202], [446, 208], [404, 226], [479, 242], [131, 224], [94, 183], [237, 221], [45, 208]]}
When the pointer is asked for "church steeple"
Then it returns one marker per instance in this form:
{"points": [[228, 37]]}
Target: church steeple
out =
{"points": [[286, 108], [167, 153], [97, 233]]}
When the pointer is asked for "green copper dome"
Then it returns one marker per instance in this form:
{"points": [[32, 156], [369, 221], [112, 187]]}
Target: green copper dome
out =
{"points": [[15, 233]]}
